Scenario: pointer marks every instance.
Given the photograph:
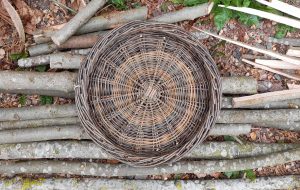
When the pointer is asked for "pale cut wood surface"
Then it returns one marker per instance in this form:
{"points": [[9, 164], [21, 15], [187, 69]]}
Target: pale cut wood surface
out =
{"points": [[291, 76], [277, 64], [286, 58], [265, 98]]}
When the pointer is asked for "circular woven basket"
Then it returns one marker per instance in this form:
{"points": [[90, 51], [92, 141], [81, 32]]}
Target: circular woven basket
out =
{"points": [[148, 93]]}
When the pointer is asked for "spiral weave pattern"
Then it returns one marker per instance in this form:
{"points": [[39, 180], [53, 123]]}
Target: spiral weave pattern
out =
{"points": [[148, 93]]}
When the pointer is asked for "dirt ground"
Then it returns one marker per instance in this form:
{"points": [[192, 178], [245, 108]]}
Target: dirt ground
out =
{"points": [[38, 14]]}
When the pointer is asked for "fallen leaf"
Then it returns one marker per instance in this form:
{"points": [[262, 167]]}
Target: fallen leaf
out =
{"points": [[253, 135], [15, 19], [30, 16]]}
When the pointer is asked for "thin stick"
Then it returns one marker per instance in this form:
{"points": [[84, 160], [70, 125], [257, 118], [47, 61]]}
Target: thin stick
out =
{"points": [[261, 50], [264, 98], [277, 18], [277, 64], [282, 6], [77, 21], [85, 149], [100, 169], [186, 13], [291, 76]]}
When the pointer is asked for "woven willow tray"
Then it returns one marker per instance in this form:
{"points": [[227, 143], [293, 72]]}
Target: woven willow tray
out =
{"points": [[148, 93]]}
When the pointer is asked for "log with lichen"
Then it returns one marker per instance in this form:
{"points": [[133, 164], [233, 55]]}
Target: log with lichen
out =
{"points": [[85, 149], [62, 84], [91, 183], [102, 169], [77, 132], [41, 83], [285, 104], [21, 124]]}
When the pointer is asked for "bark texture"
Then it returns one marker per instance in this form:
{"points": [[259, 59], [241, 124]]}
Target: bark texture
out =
{"points": [[70, 28], [285, 104], [186, 13], [99, 169], [38, 123], [78, 132], [37, 112], [262, 183], [85, 149], [40, 83], [62, 84]]}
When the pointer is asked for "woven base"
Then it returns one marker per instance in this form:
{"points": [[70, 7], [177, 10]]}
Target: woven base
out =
{"points": [[148, 93]]}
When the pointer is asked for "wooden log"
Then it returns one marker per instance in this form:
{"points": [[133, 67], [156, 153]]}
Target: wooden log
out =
{"points": [[66, 61], [282, 6], [77, 42], [285, 104], [70, 28], [84, 149], [284, 125], [34, 61], [260, 50], [264, 98], [258, 116], [277, 18], [285, 41], [293, 51], [100, 169], [77, 132], [40, 83], [285, 74], [43, 134], [4, 125], [79, 51], [41, 49], [260, 183], [62, 84], [81, 41], [239, 85], [102, 22], [186, 13], [38, 112], [277, 64], [55, 60]]}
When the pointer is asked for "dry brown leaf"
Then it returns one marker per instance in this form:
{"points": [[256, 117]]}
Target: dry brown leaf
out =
{"points": [[15, 19], [253, 135], [30, 16]]}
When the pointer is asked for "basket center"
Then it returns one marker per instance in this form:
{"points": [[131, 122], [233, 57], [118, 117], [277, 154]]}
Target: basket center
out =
{"points": [[151, 92]]}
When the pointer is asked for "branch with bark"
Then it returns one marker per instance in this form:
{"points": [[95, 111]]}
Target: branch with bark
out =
{"points": [[84, 149], [62, 84], [77, 132], [38, 123], [100, 169], [278, 182], [70, 28]]}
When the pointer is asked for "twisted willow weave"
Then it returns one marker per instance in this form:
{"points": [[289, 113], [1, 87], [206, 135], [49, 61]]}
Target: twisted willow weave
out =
{"points": [[148, 93]]}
